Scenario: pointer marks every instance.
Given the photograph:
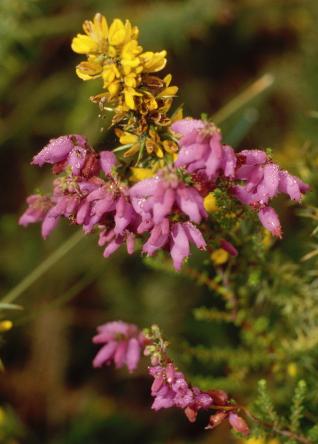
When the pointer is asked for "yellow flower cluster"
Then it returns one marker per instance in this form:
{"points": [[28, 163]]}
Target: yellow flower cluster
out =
{"points": [[140, 99], [114, 54], [219, 256]]}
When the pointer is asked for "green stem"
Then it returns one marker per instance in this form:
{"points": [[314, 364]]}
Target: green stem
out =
{"points": [[42, 268], [252, 91]]}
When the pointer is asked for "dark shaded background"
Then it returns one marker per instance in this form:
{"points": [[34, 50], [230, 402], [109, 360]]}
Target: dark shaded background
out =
{"points": [[216, 48]]}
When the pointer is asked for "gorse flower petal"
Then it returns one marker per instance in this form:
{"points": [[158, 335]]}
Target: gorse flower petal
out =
{"points": [[117, 33]]}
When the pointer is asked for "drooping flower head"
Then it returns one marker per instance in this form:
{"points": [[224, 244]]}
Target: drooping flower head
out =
{"points": [[260, 181], [155, 199], [122, 345], [201, 149], [38, 207], [71, 151]]}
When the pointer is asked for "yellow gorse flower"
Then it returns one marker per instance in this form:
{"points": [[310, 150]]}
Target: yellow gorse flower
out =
{"points": [[114, 54], [219, 256], [138, 174], [210, 203], [292, 370], [2, 416], [5, 326], [139, 98]]}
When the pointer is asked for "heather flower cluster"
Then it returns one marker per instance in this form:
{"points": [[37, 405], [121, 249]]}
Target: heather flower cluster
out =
{"points": [[253, 178], [154, 192], [166, 211], [125, 193], [122, 345]]}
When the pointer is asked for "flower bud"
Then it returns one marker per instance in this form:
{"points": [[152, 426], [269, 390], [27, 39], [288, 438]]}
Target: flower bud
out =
{"points": [[216, 420], [238, 424], [191, 414]]}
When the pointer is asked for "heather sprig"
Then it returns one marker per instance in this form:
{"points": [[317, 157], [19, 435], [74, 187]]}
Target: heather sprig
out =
{"points": [[171, 184]]}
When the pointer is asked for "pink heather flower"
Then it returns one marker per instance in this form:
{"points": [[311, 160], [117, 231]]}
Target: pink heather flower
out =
{"points": [[181, 236], [67, 200], [96, 205], [113, 241], [269, 219], [123, 344], [170, 389], [57, 150], [216, 419], [124, 214], [154, 199], [188, 129], [292, 185], [106, 201], [177, 237], [41, 209], [50, 222], [238, 424], [107, 160], [69, 151], [201, 149], [38, 207], [262, 180], [227, 246]]}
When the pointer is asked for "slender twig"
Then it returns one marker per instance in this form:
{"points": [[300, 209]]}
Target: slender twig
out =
{"points": [[41, 269], [250, 93]]}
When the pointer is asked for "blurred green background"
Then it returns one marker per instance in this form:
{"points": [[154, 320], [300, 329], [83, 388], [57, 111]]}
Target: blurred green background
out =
{"points": [[216, 48]]}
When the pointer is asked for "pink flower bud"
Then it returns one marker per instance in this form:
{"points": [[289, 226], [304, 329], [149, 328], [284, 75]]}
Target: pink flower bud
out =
{"points": [[216, 420], [107, 160], [227, 246], [219, 397], [270, 221], [238, 424], [191, 414]]}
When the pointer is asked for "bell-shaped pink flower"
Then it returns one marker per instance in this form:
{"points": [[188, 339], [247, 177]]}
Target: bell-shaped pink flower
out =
{"points": [[123, 344], [58, 149], [238, 424], [201, 150], [269, 219], [38, 207], [107, 160], [154, 199]]}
